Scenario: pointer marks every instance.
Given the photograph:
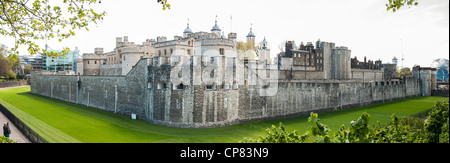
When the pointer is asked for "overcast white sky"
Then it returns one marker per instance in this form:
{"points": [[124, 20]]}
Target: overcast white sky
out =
{"points": [[362, 25]]}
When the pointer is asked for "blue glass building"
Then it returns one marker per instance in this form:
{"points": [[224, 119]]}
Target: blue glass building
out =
{"points": [[62, 63], [441, 65]]}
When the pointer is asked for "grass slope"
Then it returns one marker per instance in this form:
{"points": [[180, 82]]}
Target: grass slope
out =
{"points": [[58, 121]]}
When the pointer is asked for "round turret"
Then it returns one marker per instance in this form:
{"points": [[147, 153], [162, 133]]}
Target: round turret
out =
{"points": [[216, 27], [187, 30], [251, 34]]}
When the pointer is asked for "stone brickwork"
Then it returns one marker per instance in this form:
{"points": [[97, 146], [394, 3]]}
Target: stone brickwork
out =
{"points": [[149, 92], [367, 75], [4, 84], [427, 77], [198, 81]]}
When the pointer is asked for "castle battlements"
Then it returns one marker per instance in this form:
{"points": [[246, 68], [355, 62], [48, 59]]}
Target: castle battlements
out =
{"points": [[198, 81], [217, 41]]}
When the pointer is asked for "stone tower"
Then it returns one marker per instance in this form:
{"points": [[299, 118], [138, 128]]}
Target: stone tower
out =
{"points": [[187, 31], [395, 60], [216, 29], [264, 52], [251, 38]]}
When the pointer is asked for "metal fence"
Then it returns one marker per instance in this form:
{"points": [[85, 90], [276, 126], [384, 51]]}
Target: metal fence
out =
{"points": [[27, 131]]}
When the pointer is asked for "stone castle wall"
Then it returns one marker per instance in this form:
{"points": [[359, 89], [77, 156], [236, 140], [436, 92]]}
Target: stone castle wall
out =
{"points": [[147, 91]]}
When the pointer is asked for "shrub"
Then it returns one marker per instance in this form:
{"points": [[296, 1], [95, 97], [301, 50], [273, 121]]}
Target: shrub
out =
{"points": [[278, 135], [4, 139], [12, 75], [443, 137], [405, 130], [437, 123], [413, 122]]}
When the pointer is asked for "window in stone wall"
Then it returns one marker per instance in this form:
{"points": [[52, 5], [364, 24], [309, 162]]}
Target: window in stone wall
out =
{"points": [[211, 87], [161, 86], [149, 85], [222, 51], [235, 85], [226, 86], [178, 86]]}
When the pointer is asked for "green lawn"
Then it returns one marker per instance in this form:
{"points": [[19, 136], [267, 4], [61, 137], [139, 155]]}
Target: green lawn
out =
{"points": [[58, 121]]}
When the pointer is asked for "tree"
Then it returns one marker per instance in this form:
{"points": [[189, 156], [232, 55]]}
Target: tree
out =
{"points": [[394, 5], [404, 72], [12, 75], [41, 19], [4, 68], [437, 123], [243, 46], [164, 4], [4, 63], [28, 69], [14, 62]]}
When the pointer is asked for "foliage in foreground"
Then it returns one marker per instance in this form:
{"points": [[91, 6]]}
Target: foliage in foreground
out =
{"points": [[395, 5], [4, 139], [405, 130]]}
